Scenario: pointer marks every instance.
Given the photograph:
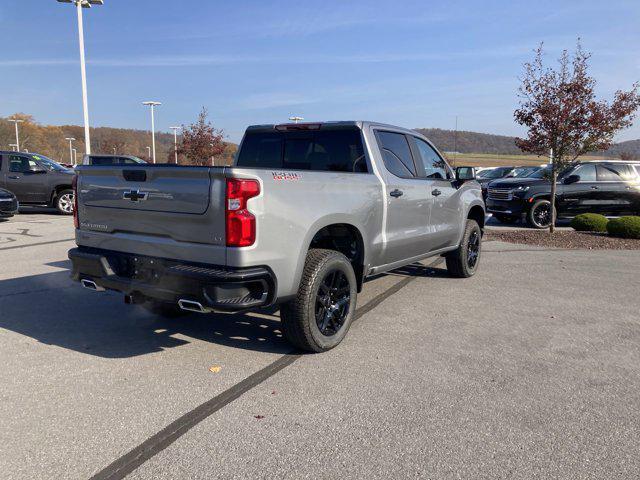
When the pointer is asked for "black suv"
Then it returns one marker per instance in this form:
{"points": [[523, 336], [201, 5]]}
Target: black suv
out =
{"points": [[37, 180], [609, 187]]}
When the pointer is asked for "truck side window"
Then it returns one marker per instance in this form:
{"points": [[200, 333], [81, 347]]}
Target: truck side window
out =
{"points": [[20, 164], [396, 154], [614, 172], [587, 173], [435, 168]]}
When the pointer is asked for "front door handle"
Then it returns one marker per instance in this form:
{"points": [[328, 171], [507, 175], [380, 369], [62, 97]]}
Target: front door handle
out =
{"points": [[594, 187], [435, 192], [13, 177], [396, 193]]}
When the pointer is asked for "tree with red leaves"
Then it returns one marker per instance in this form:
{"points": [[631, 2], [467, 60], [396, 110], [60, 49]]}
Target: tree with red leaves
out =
{"points": [[562, 114], [201, 142]]}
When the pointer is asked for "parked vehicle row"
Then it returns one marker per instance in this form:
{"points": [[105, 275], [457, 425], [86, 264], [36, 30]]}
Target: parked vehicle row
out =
{"points": [[304, 215], [608, 187]]}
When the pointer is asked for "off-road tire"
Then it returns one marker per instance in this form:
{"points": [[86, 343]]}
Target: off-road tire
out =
{"points": [[458, 263], [298, 316], [64, 202]]}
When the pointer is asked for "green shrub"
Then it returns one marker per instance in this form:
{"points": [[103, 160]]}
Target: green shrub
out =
{"points": [[590, 222], [624, 227]]}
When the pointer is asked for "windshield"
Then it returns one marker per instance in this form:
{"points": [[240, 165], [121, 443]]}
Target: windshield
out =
{"points": [[494, 173], [523, 171], [48, 163]]}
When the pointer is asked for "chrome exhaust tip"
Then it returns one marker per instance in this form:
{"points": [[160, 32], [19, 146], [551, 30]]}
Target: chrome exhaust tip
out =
{"points": [[192, 306], [91, 285]]}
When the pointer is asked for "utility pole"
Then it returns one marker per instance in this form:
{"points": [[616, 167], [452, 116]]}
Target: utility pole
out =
{"points": [[70, 140], [16, 121], [153, 126], [80, 4], [175, 141]]}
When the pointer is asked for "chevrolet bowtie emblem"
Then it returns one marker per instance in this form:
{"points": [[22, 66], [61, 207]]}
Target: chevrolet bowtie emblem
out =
{"points": [[135, 195]]}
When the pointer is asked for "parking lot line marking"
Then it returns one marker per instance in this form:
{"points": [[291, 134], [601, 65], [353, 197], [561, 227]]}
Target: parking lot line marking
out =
{"points": [[148, 449], [36, 244]]}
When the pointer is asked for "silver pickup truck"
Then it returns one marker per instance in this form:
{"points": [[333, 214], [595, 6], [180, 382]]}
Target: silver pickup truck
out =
{"points": [[304, 215]]}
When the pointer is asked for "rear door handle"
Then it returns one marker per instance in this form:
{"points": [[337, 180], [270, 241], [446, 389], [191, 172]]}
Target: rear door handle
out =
{"points": [[13, 177], [435, 192], [396, 193], [594, 187]]}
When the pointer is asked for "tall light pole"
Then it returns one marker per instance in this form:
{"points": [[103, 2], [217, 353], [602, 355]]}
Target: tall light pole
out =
{"points": [[296, 119], [80, 4], [70, 140], [175, 141], [16, 121], [153, 105]]}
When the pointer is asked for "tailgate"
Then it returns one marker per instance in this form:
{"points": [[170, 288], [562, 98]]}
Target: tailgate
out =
{"points": [[160, 209]]}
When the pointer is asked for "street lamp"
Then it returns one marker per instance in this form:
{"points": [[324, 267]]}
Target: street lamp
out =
{"points": [[296, 119], [16, 121], [153, 105], [70, 140], [80, 4], [175, 141]]}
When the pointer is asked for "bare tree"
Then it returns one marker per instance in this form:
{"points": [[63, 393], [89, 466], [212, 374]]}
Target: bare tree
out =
{"points": [[562, 115], [201, 142]]}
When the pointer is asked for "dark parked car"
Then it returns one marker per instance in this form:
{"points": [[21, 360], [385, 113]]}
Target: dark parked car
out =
{"points": [[485, 177], [8, 203], [37, 180], [112, 160], [608, 187]]}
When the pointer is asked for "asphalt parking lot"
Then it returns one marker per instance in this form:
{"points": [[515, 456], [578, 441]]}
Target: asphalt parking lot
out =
{"points": [[530, 369]]}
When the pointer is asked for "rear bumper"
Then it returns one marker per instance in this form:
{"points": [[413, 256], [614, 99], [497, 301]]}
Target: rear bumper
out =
{"points": [[215, 287], [8, 207]]}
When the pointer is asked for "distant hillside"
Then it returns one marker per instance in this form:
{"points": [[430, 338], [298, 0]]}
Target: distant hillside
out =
{"points": [[470, 142], [630, 148], [474, 142], [50, 140]]}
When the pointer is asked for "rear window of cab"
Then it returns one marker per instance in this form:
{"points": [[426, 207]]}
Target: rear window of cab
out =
{"points": [[316, 150]]}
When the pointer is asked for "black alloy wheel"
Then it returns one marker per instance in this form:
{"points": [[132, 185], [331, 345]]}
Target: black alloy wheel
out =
{"points": [[332, 302], [473, 249]]}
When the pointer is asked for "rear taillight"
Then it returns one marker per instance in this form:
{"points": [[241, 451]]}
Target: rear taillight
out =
{"points": [[241, 224], [74, 185]]}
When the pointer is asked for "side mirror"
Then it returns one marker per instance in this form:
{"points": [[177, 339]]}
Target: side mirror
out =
{"points": [[571, 179], [464, 174]]}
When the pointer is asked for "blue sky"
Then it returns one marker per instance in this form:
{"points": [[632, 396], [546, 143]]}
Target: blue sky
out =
{"points": [[411, 63]]}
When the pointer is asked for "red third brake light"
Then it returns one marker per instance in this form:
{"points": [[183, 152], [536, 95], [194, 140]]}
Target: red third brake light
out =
{"points": [[74, 185], [241, 224]]}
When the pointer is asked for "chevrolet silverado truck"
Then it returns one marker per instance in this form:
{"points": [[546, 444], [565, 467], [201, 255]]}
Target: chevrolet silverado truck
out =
{"points": [[37, 180], [303, 216]]}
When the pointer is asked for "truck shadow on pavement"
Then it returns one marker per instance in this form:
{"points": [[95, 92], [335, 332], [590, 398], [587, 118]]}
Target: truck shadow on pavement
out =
{"points": [[53, 310]]}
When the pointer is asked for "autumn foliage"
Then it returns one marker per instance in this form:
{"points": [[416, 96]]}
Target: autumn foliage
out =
{"points": [[560, 110], [201, 142]]}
